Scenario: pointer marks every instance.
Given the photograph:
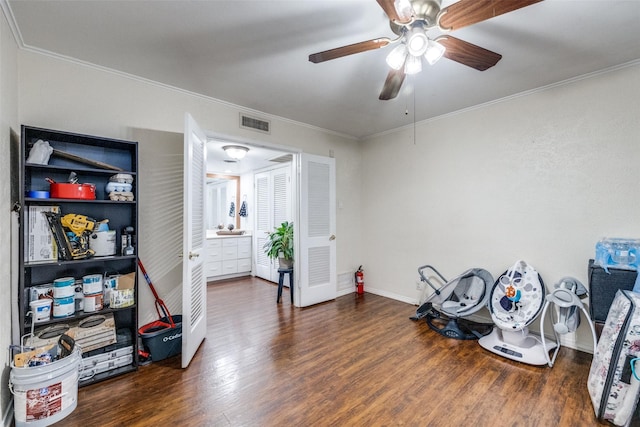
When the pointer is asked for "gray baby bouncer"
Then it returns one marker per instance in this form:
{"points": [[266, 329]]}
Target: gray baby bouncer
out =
{"points": [[454, 299]]}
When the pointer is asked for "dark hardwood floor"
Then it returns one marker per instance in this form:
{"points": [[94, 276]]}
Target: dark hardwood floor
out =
{"points": [[355, 361]]}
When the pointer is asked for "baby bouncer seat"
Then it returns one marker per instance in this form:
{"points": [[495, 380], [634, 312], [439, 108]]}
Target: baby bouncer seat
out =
{"points": [[515, 301], [462, 296]]}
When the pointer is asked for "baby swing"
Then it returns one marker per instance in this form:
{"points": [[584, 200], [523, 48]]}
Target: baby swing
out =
{"points": [[567, 298], [515, 301], [462, 296]]}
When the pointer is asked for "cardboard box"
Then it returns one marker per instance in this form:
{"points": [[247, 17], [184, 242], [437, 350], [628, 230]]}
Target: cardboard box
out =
{"points": [[39, 242]]}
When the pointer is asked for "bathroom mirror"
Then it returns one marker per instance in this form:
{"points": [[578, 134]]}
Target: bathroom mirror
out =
{"points": [[222, 190]]}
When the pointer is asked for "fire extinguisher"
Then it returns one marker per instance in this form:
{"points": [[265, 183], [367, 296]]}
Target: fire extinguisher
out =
{"points": [[359, 281]]}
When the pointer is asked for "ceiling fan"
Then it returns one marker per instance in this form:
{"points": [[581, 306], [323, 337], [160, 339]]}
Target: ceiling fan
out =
{"points": [[410, 20]]}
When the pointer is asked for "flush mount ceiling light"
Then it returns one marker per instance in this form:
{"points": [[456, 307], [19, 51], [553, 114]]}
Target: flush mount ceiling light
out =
{"points": [[235, 151]]}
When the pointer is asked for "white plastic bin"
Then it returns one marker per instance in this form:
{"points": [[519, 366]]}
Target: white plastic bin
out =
{"points": [[43, 395]]}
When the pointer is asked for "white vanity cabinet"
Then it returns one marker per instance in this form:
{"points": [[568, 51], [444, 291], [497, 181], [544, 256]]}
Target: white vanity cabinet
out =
{"points": [[228, 256]]}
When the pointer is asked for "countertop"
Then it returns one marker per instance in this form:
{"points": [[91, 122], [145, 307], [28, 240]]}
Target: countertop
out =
{"points": [[211, 234]]}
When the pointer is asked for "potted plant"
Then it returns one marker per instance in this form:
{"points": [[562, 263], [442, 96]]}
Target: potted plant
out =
{"points": [[280, 244]]}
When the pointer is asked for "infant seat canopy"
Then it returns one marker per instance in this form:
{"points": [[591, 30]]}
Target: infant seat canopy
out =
{"points": [[456, 298]]}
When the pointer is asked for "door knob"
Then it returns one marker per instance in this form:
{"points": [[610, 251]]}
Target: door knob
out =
{"points": [[333, 237], [193, 255]]}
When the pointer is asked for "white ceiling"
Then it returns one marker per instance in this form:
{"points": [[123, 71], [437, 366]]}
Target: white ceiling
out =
{"points": [[255, 53]]}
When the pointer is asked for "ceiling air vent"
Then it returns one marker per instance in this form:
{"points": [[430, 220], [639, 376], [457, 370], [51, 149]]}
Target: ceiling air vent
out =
{"points": [[282, 159], [253, 123]]}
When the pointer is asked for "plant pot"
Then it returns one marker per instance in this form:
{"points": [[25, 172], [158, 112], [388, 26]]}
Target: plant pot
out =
{"points": [[285, 263]]}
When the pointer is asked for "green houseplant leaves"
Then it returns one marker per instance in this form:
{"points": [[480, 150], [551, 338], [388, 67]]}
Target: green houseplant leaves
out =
{"points": [[280, 242]]}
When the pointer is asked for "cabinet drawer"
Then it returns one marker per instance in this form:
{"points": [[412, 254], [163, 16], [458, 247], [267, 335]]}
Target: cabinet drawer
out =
{"points": [[214, 243], [244, 249], [230, 267], [229, 253], [244, 241], [229, 243], [214, 269], [214, 253], [244, 265]]}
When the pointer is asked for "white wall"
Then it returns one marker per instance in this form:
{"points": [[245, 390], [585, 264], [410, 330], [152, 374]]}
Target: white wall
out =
{"points": [[8, 123], [59, 94], [539, 177]]}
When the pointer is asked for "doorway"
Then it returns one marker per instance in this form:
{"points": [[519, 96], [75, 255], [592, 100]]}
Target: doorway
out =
{"points": [[266, 185]]}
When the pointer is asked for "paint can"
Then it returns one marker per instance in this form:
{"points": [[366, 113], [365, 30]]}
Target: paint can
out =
{"points": [[79, 297], [92, 284], [41, 309], [93, 302], [103, 243], [63, 307], [63, 287]]}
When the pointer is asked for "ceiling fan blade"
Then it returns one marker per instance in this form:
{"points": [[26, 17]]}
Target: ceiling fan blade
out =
{"points": [[392, 84], [390, 9], [339, 52], [467, 12], [468, 54]]}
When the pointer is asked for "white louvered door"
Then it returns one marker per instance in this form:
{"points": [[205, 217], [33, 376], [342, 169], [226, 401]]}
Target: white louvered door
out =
{"points": [[263, 224], [273, 207], [194, 283], [315, 265]]}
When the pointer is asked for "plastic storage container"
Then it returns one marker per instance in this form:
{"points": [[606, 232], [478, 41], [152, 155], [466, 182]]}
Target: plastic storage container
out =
{"points": [[44, 395], [162, 341]]}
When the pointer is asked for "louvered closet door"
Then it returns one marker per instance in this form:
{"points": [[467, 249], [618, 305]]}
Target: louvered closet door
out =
{"points": [[281, 185], [263, 224], [273, 206]]}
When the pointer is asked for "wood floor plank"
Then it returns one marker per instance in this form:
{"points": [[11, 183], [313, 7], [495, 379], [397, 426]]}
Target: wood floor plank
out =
{"points": [[354, 361]]}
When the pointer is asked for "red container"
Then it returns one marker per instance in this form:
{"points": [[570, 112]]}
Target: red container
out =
{"points": [[72, 191]]}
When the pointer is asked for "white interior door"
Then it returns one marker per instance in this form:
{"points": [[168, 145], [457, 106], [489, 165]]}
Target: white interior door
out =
{"points": [[194, 283], [316, 262], [273, 207], [262, 224]]}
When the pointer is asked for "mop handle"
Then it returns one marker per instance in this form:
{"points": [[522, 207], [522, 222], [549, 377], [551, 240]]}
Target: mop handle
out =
{"points": [[159, 301]]}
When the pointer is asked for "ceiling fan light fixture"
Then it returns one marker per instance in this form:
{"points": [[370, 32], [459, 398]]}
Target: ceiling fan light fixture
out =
{"points": [[417, 41], [397, 56], [413, 65], [235, 151], [434, 52]]}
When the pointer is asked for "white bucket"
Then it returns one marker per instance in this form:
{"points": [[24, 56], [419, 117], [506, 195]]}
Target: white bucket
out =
{"points": [[92, 284], [63, 287], [41, 309], [103, 243], [64, 307], [93, 302], [43, 395]]}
